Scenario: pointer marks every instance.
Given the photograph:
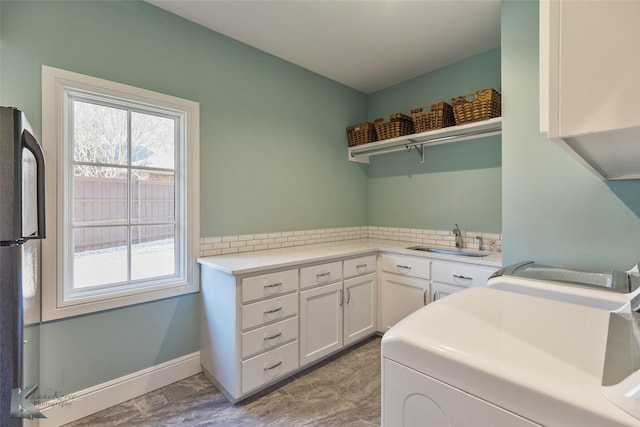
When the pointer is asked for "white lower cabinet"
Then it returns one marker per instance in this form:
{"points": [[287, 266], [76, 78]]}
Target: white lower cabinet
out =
{"points": [[411, 399], [401, 296], [336, 315], [248, 329], [404, 287], [268, 337], [450, 277], [320, 322], [360, 308], [266, 367], [408, 283], [258, 329]]}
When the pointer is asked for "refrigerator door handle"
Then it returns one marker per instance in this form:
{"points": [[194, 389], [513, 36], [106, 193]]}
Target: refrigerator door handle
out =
{"points": [[30, 143]]}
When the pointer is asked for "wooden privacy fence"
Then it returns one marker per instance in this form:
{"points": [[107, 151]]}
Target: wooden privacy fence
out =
{"points": [[103, 201]]}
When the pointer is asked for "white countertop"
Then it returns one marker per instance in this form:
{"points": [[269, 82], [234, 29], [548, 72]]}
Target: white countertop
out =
{"points": [[252, 262], [539, 358]]}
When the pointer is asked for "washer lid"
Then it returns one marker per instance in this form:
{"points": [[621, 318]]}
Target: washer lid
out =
{"points": [[614, 281]]}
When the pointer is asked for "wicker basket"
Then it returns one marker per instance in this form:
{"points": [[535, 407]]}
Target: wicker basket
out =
{"points": [[481, 105], [363, 133], [398, 125], [440, 115]]}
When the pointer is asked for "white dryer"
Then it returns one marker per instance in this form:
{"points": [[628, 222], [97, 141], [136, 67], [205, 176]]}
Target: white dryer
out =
{"points": [[494, 357]]}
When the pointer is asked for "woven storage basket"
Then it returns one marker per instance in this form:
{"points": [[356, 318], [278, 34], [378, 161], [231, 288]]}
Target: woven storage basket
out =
{"points": [[363, 133], [440, 115], [398, 125], [481, 105]]}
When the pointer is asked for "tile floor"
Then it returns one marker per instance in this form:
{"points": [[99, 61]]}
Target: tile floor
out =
{"points": [[342, 391]]}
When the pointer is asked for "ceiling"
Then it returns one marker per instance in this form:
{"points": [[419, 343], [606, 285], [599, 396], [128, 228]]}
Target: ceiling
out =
{"points": [[365, 44]]}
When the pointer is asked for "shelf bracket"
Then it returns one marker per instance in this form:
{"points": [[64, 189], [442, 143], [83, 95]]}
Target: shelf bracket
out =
{"points": [[419, 149]]}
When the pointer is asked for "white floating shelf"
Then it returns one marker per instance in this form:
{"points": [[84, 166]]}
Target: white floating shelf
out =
{"points": [[361, 153]]}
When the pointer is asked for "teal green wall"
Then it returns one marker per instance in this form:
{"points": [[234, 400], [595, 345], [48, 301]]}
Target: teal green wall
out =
{"points": [[257, 111], [553, 209], [83, 351], [272, 152], [458, 182]]}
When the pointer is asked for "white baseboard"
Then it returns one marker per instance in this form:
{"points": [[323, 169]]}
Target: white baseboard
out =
{"points": [[102, 396]]}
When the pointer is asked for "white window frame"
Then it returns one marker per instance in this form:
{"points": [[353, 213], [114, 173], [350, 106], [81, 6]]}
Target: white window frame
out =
{"points": [[58, 87]]}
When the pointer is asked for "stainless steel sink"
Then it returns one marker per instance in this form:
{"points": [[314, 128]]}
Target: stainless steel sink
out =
{"points": [[446, 252]]}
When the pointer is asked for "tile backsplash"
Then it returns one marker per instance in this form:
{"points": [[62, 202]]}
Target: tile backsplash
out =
{"points": [[233, 244]]}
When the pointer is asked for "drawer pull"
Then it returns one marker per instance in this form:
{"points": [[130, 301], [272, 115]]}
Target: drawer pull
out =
{"points": [[273, 337], [319, 275], [273, 366], [424, 297], [361, 266], [458, 276], [273, 285], [275, 310], [348, 295], [404, 267]]}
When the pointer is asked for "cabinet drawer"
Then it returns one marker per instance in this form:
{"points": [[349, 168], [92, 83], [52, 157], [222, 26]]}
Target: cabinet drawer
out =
{"points": [[320, 274], [269, 285], [269, 336], [460, 274], [406, 265], [269, 366], [359, 266], [269, 311]]}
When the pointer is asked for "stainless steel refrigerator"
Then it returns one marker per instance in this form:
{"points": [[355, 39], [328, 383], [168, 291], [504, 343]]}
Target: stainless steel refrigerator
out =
{"points": [[22, 225]]}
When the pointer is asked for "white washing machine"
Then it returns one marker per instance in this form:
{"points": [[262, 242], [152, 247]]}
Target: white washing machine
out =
{"points": [[497, 357], [608, 290]]}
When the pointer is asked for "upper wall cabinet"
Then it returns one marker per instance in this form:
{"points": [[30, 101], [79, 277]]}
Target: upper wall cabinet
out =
{"points": [[590, 84]]}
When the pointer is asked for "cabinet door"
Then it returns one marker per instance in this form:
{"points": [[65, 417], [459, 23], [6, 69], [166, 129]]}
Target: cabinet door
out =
{"points": [[401, 296], [589, 82], [441, 290], [320, 322], [360, 306], [593, 63]]}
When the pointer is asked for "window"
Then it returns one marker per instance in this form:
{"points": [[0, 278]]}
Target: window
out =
{"points": [[122, 194]]}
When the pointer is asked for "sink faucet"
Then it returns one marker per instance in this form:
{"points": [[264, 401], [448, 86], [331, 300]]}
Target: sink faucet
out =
{"points": [[458, 234]]}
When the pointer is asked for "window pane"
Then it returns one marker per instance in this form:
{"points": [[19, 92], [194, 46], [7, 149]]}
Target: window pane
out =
{"points": [[99, 133], [152, 197], [152, 141], [99, 195], [99, 256], [152, 251]]}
